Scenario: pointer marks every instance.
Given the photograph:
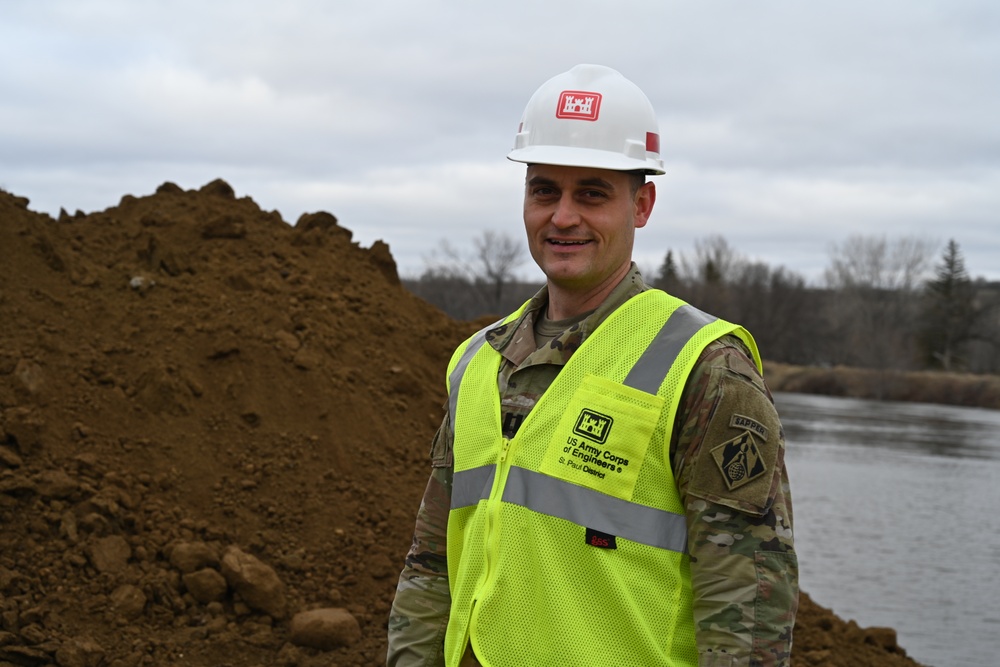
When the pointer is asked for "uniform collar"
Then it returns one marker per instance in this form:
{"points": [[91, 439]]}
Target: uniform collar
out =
{"points": [[515, 340]]}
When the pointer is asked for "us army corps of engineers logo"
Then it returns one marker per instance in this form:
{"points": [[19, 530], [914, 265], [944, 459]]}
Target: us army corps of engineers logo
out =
{"points": [[739, 459], [593, 426], [579, 104]]}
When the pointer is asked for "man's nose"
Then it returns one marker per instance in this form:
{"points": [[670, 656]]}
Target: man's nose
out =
{"points": [[565, 214]]}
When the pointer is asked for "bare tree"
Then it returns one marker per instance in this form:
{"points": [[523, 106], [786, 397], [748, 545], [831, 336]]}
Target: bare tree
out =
{"points": [[873, 262], [481, 277], [714, 261], [706, 277], [984, 346], [499, 255], [875, 306]]}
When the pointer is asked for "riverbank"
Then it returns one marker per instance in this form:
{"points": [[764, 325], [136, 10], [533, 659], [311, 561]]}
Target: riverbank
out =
{"points": [[964, 389]]}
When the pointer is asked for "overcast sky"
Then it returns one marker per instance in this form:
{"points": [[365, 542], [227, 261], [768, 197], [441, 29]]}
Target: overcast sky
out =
{"points": [[786, 126]]}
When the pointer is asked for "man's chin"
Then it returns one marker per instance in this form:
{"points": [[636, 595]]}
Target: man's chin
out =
{"points": [[567, 278]]}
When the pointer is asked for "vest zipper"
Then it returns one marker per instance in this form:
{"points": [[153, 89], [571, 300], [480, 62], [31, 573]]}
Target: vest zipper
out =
{"points": [[503, 467], [492, 528]]}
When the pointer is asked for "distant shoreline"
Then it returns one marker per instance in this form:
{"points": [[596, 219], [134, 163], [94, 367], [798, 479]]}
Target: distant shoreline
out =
{"points": [[964, 389]]}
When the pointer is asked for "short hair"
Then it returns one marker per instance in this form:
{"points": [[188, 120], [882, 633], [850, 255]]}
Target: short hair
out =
{"points": [[637, 179]]}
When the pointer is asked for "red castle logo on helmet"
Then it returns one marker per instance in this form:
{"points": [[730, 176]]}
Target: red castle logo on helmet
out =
{"points": [[578, 104]]}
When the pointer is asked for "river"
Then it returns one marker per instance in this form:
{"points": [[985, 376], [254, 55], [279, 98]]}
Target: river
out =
{"points": [[896, 520]]}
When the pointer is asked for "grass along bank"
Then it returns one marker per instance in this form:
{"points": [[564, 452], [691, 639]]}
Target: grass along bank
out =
{"points": [[965, 389]]}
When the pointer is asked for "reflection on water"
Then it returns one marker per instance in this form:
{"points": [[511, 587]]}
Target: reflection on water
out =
{"points": [[936, 430], [896, 519]]}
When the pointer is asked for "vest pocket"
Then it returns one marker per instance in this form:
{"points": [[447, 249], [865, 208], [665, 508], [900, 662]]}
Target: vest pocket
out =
{"points": [[602, 437]]}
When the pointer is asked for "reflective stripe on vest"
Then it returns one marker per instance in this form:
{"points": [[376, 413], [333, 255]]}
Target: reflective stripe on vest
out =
{"points": [[585, 507], [654, 364], [471, 486]]}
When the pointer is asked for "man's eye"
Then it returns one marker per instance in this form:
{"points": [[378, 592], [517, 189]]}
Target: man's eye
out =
{"points": [[594, 194]]}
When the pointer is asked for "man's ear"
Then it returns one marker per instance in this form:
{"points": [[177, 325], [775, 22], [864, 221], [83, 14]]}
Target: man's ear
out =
{"points": [[644, 200]]}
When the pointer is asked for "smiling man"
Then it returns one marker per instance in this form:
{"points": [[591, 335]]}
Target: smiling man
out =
{"points": [[608, 484]]}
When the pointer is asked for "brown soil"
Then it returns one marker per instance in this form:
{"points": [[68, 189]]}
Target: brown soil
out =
{"points": [[210, 421]]}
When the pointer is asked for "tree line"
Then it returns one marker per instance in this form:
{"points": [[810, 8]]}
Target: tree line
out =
{"points": [[883, 304]]}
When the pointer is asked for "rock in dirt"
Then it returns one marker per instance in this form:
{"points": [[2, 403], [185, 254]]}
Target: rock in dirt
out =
{"points": [[28, 656], [206, 585], [55, 484], [324, 629], [80, 652], [192, 556], [256, 582], [109, 554], [128, 600], [8, 457], [17, 485]]}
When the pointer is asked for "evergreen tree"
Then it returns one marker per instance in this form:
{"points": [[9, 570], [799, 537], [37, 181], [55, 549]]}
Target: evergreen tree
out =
{"points": [[667, 279], [949, 312]]}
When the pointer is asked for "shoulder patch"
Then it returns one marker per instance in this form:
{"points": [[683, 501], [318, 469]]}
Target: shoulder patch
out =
{"points": [[739, 460], [742, 447]]}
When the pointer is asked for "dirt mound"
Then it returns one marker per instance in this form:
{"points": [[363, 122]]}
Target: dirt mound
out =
{"points": [[211, 422]]}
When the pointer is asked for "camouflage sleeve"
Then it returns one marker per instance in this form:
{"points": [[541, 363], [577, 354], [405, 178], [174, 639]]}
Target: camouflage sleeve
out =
{"points": [[419, 615], [729, 463]]}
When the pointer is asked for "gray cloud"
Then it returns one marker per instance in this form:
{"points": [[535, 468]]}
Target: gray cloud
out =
{"points": [[785, 126]]}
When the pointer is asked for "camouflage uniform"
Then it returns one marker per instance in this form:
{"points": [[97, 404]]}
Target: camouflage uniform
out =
{"points": [[727, 452]]}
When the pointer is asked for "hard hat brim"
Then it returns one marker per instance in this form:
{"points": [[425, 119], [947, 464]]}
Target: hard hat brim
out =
{"points": [[569, 156]]}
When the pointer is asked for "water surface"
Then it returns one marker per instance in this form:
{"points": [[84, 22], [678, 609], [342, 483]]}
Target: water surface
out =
{"points": [[896, 519]]}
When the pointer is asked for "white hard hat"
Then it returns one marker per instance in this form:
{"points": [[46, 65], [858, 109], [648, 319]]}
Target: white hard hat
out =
{"points": [[590, 116]]}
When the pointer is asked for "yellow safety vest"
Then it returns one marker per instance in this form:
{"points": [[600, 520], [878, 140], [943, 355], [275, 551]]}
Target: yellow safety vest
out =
{"points": [[567, 545]]}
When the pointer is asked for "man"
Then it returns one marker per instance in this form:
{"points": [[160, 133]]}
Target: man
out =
{"points": [[608, 484]]}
